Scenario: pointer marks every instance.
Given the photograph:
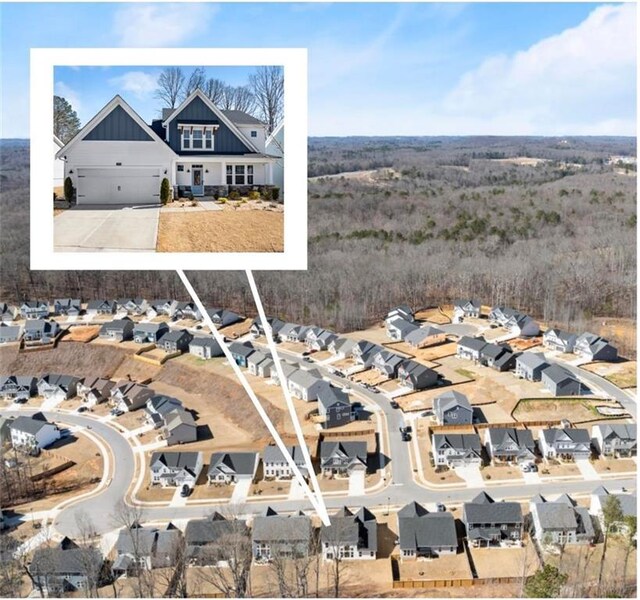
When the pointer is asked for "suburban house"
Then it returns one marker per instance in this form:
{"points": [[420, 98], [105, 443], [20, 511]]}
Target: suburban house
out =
{"points": [[387, 363], [350, 535], [456, 449], [565, 444], [205, 347], [179, 427], [8, 312], [522, 325], [130, 306], [287, 369], [40, 330], [9, 333], [34, 310], [232, 467], [334, 406], [58, 164], [221, 317], [425, 535], [470, 348], [305, 384], [101, 307], [119, 330], [466, 308], [401, 311], [343, 458], [452, 408], [186, 310], [164, 307], [265, 367], [274, 535], [254, 360], [423, 337], [32, 434], [594, 347], [18, 387], [257, 328], [158, 406], [558, 340], [241, 352], [274, 146], [289, 332], [560, 382], [489, 523], [491, 353], [342, 346], [70, 307], [128, 396], [398, 328], [616, 440], [65, 568], [57, 387], [319, 339], [529, 366], [275, 466], [176, 340], [204, 538], [149, 333], [175, 468], [507, 444], [364, 352], [561, 522], [599, 498], [416, 376], [94, 390], [500, 315], [146, 548]]}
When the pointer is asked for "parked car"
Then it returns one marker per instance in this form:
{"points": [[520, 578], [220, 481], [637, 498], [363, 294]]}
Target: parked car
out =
{"points": [[116, 412], [406, 437], [441, 507], [185, 491], [394, 404], [307, 359], [82, 409]]}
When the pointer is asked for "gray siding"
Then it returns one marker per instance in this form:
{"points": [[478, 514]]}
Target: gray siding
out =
{"points": [[225, 141], [118, 126]]}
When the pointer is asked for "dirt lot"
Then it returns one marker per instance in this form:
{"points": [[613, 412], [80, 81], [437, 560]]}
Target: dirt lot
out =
{"points": [[499, 472], [224, 231], [370, 376], [81, 333], [237, 329], [521, 344], [617, 465], [454, 566], [623, 374], [576, 410], [505, 562], [428, 356], [434, 315]]}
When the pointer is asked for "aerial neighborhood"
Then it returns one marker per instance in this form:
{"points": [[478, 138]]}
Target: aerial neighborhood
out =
{"points": [[449, 443]]}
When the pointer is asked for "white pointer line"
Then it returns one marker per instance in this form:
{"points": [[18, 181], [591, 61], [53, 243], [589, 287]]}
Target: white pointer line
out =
{"points": [[317, 504], [287, 394]]}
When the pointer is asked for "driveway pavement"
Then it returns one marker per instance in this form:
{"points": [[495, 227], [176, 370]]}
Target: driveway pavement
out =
{"points": [[471, 475], [356, 483], [587, 470], [111, 229], [241, 491]]}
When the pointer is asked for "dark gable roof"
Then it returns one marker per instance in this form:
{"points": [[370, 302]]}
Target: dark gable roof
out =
{"points": [[74, 561], [420, 529], [239, 463], [472, 343], [239, 117], [557, 374], [485, 510], [273, 454], [278, 528], [244, 349], [31, 425], [619, 430], [329, 395], [355, 449], [347, 528], [176, 460], [522, 437], [458, 441], [175, 335], [214, 529]]}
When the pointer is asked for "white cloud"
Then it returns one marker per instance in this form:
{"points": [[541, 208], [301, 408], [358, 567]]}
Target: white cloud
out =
{"points": [[139, 83], [62, 89], [158, 25], [580, 81]]}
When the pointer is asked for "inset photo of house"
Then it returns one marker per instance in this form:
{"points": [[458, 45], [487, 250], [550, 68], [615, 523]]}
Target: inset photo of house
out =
{"points": [[169, 159]]}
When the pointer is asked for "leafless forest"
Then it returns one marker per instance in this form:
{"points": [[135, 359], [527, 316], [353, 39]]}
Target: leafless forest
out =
{"points": [[438, 218]]}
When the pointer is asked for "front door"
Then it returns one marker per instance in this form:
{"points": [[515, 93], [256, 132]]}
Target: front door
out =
{"points": [[197, 185]]}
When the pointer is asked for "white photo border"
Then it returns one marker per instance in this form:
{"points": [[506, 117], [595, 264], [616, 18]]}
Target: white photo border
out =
{"points": [[42, 255]]}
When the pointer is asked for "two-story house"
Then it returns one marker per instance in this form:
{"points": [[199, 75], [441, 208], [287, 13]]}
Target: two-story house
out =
{"points": [[275, 466], [149, 333], [53, 386], [489, 523], [470, 348], [350, 535], [565, 444], [43, 331], [416, 376], [561, 522], [34, 433], [279, 536], [343, 458], [452, 408], [119, 330], [232, 467], [205, 347], [616, 440], [456, 449], [334, 406], [18, 387], [508, 444], [175, 468], [94, 390], [425, 535]]}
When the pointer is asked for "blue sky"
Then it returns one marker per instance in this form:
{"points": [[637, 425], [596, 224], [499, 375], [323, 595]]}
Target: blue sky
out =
{"points": [[374, 69]]}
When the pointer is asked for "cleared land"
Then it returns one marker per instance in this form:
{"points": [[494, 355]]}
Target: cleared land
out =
{"points": [[623, 374], [242, 231]]}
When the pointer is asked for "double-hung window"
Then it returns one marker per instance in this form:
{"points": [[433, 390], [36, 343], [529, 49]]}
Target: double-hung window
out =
{"points": [[239, 174], [197, 139], [186, 139], [208, 139]]}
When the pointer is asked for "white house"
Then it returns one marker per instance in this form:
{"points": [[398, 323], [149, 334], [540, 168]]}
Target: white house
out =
{"points": [[58, 164], [34, 433], [274, 146]]}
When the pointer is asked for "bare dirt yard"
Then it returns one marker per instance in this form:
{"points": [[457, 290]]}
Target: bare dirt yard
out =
{"points": [[622, 374], [81, 333], [617, 465], [449, 566], [505, 562], [434, 315], [224, 231], [574, 409]]}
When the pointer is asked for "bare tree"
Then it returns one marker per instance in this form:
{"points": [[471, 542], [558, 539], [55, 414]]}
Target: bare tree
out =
{"points": [[612, 516], [267, 86], [90, 560], [11, 570], [215, 90], [170, 85], [197, 80], [238, 98]]}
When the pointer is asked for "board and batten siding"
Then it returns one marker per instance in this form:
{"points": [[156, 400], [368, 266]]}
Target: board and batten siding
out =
{"points": [[225, 141], [118, 126]]}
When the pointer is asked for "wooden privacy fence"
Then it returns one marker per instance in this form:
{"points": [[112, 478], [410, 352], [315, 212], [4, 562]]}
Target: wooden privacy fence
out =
{"points": [[447, 583]]}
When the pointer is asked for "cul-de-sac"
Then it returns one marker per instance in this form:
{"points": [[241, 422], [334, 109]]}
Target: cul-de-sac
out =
{"points": [[463, 446]]}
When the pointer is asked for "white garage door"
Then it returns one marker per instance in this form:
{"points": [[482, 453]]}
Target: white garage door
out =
{"points": [[118, 186]]}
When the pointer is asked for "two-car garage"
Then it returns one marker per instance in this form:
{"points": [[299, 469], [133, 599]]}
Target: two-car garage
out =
{"points": [[118, 185]]}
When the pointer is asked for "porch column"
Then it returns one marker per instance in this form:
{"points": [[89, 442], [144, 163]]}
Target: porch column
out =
{"points": [[268, 168], [223, 173]]}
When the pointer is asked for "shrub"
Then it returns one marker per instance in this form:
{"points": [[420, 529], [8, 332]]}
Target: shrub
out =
{"points": [[275, 193], [194, 203], [165, 191], [266, 194], [222, 200], [254, 195], [234, 195], [68, 189]]}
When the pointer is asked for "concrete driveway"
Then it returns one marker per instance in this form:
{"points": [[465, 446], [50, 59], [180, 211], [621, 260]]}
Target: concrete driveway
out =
{"points": [[106, 228]]}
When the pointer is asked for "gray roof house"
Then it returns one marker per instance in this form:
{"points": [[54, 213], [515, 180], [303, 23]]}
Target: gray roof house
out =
{"points": [[594, 347], [425, 535], [456, 449], [561, 382], [398, 328], [132, 306], [241, 352], [402, 311], [561, 522], [175, 468], [510, 444], [617, 440], [523, 325], [529, 366], [364, 352], [205, 347], [254, 360], [152, 547], [558, 340], [305, 384], [470, 348], [129, 395], [257, 328], [9, 333], [422, 337], [275, 466], [289, 332], [186, 310], [61, 387], [342, 346], [176, 340], [101, 307], [342, 458], [18, 387], [416, 376], [222, 317], [32, 434], [628, 505], [161, 405], [71, 307], [274, 535], [231, 467], [565, 443], [162, 306], [206, 537], [350, 535], [505, 361], [466, 308], [287, 368], [149, 333], [94, 390], [334, 406], [35, 309], [120, 330], [40, 330], [490, 354], [489, 523], [179, 427], [452, 408], [500, 315], [387, 363], [8, 312], [319, 339]]}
